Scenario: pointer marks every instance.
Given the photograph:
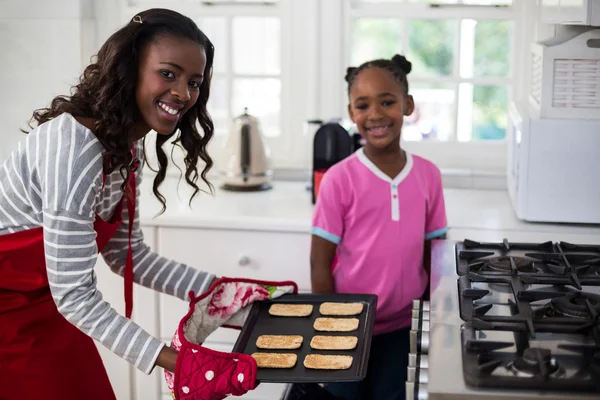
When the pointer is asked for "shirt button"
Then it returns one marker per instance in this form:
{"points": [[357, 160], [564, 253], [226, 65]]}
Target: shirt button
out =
{"points": [[395, 196], [393, 186]]}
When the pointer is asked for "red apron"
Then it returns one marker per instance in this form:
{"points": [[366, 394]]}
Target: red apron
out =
{"points": [[42, 355]]}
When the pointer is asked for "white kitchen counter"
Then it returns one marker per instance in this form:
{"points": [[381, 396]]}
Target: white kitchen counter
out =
{"points": [[287, 208]]}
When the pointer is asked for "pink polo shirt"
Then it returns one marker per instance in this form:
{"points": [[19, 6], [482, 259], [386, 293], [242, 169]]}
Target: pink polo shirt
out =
{"points": [[380, 226]]}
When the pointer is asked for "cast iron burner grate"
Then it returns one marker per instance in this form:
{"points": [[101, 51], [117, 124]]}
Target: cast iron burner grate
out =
{"points": [[541, 304], [573, 367], [535, 263], [547, 309]]}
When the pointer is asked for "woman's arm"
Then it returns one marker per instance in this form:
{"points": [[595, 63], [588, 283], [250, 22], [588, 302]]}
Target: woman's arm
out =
{"points": [[321, 258], [70, 173], [150, 269]]}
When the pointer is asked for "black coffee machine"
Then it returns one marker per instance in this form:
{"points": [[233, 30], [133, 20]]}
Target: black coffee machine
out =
{"points": [[331, 144]]}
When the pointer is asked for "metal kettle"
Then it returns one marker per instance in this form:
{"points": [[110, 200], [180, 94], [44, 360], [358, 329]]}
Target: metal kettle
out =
{"points": [[245, 163]]}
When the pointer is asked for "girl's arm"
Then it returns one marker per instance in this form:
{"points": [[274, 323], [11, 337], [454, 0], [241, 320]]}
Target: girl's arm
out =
{"points": [[321, 258], [327, 229]]}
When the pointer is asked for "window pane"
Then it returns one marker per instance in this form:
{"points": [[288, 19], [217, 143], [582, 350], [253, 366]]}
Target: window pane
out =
{"points": [[262, 97], [257, 2], [490, 116], [375, 38], [216, 30], [256, 45], [470, 2], [482, 112], [431, 46], [218, 105], [433, 118], [485, 48]]}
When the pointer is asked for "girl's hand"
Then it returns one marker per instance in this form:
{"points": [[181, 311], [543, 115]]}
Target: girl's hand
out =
{"points": [[167, 358]]}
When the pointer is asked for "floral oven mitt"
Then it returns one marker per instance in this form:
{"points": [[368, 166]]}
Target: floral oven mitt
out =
{"points": [[205, 374]]}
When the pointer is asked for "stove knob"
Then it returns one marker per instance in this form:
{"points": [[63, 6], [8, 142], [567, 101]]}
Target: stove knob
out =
{"points": [[416, 324], [414, 341], [418, 360], [422, 314], [416, 374], [416, 304], [416, 391], [420, 305], [423, 344]]}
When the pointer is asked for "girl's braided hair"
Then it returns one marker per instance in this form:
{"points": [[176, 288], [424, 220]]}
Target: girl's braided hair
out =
{"points": [[398, 66]]}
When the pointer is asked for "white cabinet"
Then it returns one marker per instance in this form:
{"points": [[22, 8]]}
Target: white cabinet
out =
{"points": [[241, 253], [127, 381], [571, 12]]}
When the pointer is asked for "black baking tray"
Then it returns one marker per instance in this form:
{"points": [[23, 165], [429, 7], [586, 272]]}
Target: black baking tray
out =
{"points": [[260, 322]]}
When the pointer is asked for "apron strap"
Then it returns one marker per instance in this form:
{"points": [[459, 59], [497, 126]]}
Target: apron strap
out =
{"points": [[128, 273]]}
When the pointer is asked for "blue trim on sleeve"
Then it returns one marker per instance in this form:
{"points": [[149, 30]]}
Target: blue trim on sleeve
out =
{"points": [[434, 234], [325, 235]]}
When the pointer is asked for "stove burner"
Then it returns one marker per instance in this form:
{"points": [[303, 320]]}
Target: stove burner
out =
{"points": [[503, 264], [576, 304], [536, 362]]}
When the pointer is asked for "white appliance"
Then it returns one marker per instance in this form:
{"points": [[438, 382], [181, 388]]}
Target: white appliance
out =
{"points": [[245, 159], [553, 168], [565, 74]]}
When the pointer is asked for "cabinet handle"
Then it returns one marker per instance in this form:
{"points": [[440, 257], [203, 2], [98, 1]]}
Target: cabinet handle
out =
{"points": [[244, 260]]}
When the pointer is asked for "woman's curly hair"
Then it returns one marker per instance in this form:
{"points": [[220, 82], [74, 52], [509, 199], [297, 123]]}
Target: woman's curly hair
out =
{"points": [[106, 93]]}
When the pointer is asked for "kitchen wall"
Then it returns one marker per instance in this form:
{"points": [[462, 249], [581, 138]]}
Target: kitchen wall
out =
{"points": [[44, 45]]}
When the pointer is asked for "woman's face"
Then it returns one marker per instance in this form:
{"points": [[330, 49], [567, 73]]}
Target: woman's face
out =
{"points": [[171, 70]]}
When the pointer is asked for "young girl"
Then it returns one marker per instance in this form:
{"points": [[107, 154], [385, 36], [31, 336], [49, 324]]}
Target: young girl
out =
{"points": [[374, 213], [70, 190]]}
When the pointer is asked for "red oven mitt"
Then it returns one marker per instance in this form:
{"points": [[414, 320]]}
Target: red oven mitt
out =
{"points": [[205, 374]]}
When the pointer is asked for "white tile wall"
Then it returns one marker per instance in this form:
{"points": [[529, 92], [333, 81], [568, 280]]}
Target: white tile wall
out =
{"points": [[43, 45]]}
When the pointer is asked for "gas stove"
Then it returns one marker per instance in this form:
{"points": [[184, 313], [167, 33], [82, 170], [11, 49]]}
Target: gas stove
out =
{"points": [[508, 320], [532, 315]]}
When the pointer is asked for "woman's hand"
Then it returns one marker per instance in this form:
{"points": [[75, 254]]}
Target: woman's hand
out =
{"points": [[167, 358]]}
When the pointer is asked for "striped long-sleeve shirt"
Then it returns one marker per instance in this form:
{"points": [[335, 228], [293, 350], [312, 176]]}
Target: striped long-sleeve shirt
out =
{"points": [[54, 180]]}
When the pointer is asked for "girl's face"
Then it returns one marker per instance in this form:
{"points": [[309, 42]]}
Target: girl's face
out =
{"points": [[378, 104], [171, 70]]}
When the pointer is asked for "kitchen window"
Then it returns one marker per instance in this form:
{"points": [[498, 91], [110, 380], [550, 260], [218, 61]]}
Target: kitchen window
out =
{"points": [[464, 75], [285, 60], [461, 77]]}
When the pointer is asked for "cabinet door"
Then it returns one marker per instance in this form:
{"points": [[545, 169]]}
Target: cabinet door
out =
{"points": [[574, 11], [127, 381], [145, 314], [111, 287]]}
